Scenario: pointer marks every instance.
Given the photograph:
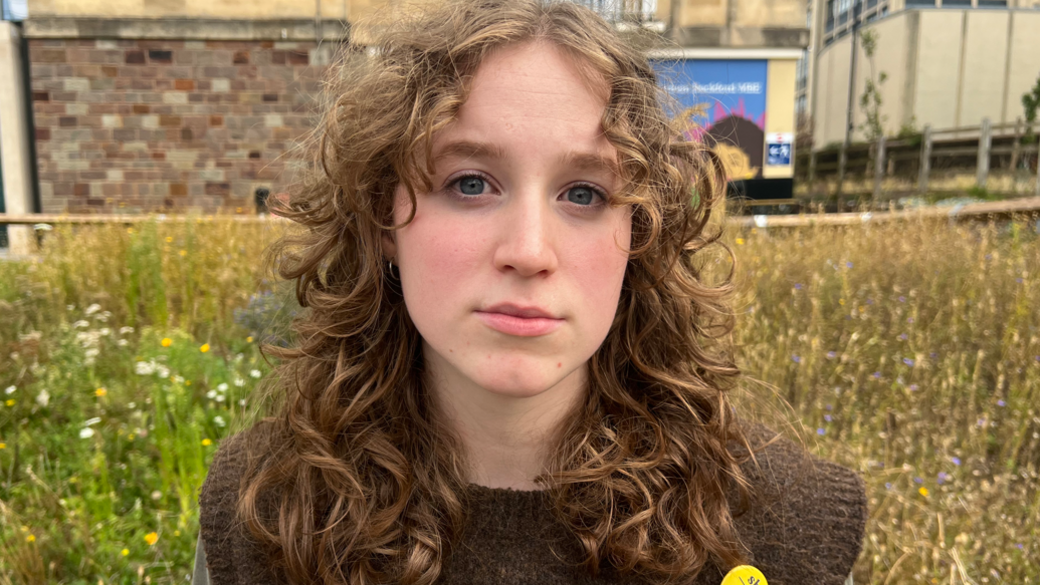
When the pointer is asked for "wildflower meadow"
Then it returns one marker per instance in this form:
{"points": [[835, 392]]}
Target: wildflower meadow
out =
{"points": [[909, 351]]}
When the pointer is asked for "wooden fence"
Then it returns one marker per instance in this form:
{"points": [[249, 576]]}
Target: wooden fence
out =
{"points": [[908, 165], [1021, 207]]}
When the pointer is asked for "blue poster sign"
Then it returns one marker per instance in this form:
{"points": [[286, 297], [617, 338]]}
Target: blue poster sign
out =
{"points": [[727, 98]]}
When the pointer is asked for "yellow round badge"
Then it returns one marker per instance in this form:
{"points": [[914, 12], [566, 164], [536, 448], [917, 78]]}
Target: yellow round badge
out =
{"points": [[744, 575]]}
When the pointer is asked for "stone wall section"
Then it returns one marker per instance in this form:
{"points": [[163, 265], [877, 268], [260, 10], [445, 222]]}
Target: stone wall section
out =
{"points": [[169, 125]]}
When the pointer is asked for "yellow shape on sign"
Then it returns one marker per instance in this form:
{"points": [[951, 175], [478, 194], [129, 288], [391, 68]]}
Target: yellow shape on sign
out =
{"points": [[744, 575]]}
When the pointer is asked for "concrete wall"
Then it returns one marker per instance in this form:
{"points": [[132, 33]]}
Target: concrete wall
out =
{"points": [[14, 139], [780, 117], [237, 9], [946, 68]]}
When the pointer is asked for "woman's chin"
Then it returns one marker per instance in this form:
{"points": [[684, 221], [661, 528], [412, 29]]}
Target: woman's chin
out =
{"points": [[527, 382]]}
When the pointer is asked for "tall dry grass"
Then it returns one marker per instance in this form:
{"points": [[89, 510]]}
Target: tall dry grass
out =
{"points": [[908, 351]]}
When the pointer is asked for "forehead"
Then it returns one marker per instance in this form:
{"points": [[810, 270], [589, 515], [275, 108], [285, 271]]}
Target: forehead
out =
{"points": [[532, 93]]}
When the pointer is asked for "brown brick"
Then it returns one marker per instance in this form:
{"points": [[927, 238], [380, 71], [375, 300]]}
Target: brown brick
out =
{"points": [[240, 58], [270, 97], [158, 155], [109, 70], [67, 121], [160, 56], [184, 85], [141, 108], [218, 189], [278, 57], [81, 189], [135, 57], [254, 154], [49, 56], [43, 133], [216, 120], [298, 58], [41, 96], [187, 134]]}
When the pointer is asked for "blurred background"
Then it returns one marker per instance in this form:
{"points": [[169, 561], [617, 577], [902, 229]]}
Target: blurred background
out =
{"points": [[893, 330]]}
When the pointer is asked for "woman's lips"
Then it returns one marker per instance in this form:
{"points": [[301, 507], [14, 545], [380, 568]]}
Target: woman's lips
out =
{"points": [[519, 326]]}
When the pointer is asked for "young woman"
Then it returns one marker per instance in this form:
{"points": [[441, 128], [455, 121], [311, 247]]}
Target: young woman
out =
{"points": [[511, 369]]}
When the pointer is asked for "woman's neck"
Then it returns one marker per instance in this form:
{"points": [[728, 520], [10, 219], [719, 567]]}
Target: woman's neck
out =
{"points": [[505, 437]]}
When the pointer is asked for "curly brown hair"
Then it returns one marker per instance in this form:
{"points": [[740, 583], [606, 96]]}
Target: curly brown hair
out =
{"points": [[358, 479]]}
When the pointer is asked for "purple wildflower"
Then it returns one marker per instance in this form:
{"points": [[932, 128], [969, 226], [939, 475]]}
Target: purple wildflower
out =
{"points": [[1019, 280], [830, 407], [888, 485], [877, 374], [798, 286], [820, 432], [933, 355], [989, 256], [831, 355], [903, 336], [870, 301], [908, 362], [902, 299], [909, 319], [913, 387], [827, 417], [943, 477], [956, 460], [918, 480], [797, 359], [1001, 403], [1019, 546], [848, 265]]}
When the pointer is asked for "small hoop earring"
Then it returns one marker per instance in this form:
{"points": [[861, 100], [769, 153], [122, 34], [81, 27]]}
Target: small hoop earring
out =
{"points": [[391, 264]]}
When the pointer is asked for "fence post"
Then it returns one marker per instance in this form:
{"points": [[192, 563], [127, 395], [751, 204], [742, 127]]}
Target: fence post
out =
{"points": [[1015, 147], [985, 142], [879, 167], [842, 163], [812, 168], [926, 159]]}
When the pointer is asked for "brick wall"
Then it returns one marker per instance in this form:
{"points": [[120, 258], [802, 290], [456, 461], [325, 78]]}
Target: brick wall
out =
{"points": [[162, 125]]}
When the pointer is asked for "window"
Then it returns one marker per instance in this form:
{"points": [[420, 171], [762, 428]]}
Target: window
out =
{"points": [[920, 3], [993, 4], [15, 10]]}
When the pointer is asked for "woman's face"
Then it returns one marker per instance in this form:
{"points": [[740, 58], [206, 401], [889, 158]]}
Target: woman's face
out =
{"points": [[512, 267]]}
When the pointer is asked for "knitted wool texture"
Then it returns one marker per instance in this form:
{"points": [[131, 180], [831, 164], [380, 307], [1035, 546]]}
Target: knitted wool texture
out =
{"points": [[806, 528]]}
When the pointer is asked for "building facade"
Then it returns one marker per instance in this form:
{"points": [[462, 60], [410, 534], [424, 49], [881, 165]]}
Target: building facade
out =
{"points": [[170, 105], [948, 63]]}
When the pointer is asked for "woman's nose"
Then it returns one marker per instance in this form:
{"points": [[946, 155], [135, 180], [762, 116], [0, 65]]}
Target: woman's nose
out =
{"points": [[526, 241]]}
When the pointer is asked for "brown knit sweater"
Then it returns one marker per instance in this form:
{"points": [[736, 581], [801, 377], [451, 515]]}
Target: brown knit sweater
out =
{"points": [[809, 529]]}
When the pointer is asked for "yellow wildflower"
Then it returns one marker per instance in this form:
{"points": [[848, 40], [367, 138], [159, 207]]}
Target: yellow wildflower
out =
{"points": [[129, 230], [238, 210], [183, 252], [151, 538], [249, 339], [204, 347], [206, 442], [176, 532], [125, 551], [923, 491], [3, 445], [30, 538], [169, 239], [100, 392], [10, 402], [187, 382], [130, 437], [740, 241], [841, 302], [166, 342]]}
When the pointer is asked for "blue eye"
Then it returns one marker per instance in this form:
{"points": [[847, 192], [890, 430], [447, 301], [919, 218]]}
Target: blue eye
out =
{"points": [[472, 185], [581, 195]]}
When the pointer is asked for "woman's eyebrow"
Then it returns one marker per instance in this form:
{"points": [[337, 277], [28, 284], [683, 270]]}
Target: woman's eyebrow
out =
{"points": [[468, 149], [587, 161]]}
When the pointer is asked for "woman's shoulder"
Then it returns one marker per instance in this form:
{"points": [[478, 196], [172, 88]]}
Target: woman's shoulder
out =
{"points": [[230, 552], [807, 519]]}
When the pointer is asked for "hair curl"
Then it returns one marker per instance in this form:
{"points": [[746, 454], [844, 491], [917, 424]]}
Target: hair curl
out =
{"points": [[360, 481]]}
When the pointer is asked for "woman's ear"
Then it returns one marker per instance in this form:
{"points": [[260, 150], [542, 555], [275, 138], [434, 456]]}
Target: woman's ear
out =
{"points": [[389, 245]]}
